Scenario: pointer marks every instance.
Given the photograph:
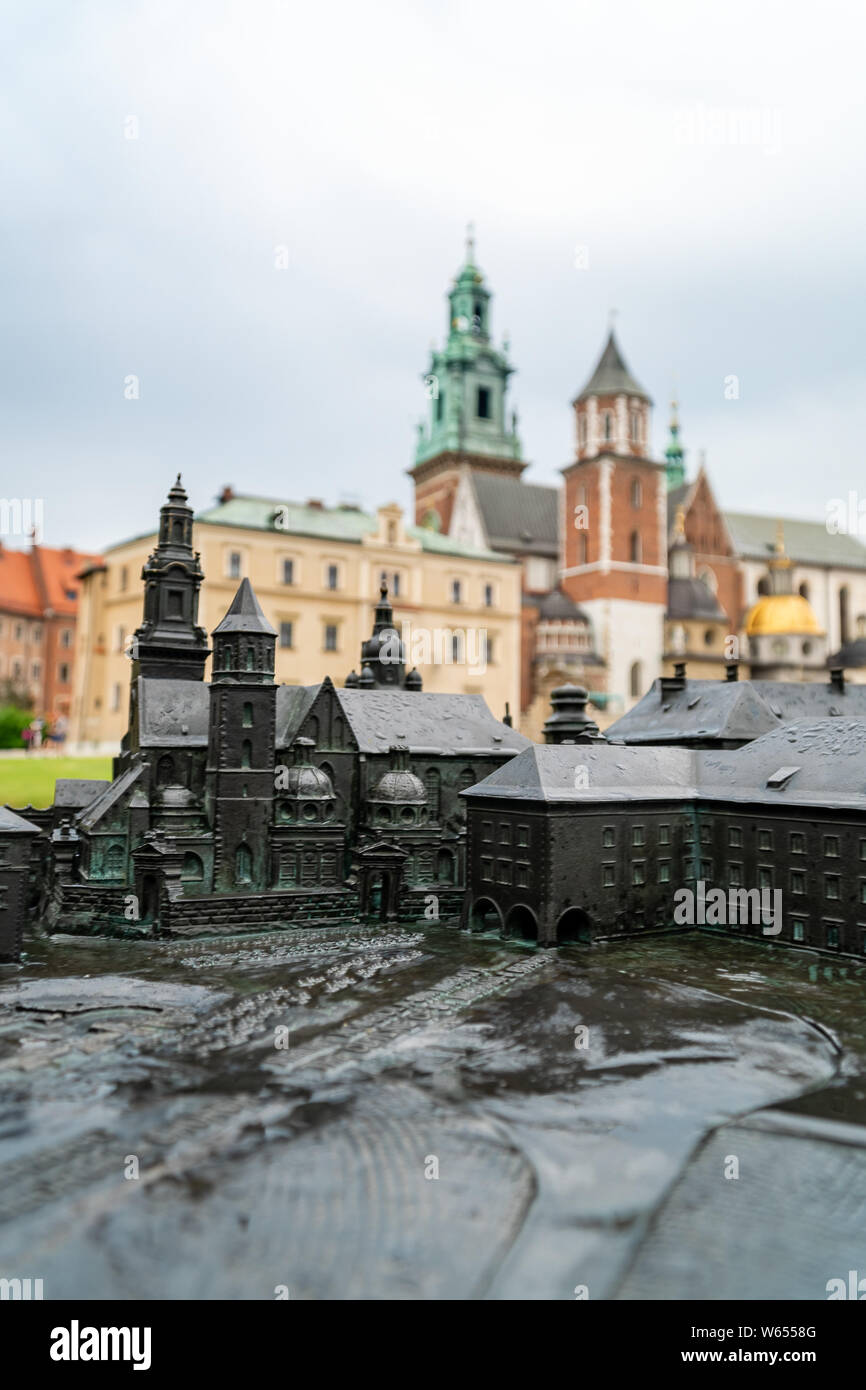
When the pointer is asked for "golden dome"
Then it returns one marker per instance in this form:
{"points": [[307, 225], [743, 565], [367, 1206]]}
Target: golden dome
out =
{"points": [[785, 614]]}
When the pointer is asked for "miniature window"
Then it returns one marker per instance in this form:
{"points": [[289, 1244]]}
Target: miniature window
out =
{"points": [[234, 564], [798, 929], [688, 832], [735, 836], [765, 839], [63, 673], [863, 890], [831, 846], [503, 870], [638, 872], [333, 576], [504, 833], [483, 410], [664, 834], [706, 869], [765, 878], [798, 882], [521, 875], [798, 842], [608, 837], [456, 591], [831, 934], [635, 430], [288, 571], [636, 490], [487, 830], [664, 871], [488, 595], [831, 886], [287, 632], [523, 834], [863, 849], [330, 637], [248, 715], [608, 425], [637, 835], [608, 875], [735, 875], [705, 835]]}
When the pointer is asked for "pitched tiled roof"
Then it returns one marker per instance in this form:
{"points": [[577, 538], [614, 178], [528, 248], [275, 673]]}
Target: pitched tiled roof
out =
{"points": [[517, 515], [806, 542], [328, 523], [41, 580]]}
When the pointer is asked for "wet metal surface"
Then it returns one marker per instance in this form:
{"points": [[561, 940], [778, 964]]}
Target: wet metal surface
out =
{"points": [[423, 1114]]}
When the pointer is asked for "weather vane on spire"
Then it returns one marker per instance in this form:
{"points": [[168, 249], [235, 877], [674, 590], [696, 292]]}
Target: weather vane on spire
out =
{"points": [[470, 241]]}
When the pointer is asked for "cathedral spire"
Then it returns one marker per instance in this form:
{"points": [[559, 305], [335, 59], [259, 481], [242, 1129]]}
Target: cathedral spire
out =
{"points": [[169, 642], [467, 380], [675, 454]]}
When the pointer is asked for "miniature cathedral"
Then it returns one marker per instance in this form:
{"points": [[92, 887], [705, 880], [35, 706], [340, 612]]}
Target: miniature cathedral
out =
{"points": [[239, 804]]}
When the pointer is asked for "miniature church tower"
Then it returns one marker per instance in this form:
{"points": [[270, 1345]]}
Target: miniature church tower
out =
{"points": [[169, 643], [241, 743], [615, 541]]}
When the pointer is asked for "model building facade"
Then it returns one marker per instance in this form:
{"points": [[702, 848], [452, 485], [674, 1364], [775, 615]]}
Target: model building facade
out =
{"points": [[242, 804]]}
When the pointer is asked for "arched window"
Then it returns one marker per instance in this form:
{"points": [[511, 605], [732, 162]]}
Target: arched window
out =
{"points": [[634, 548], [582, 430], [608, 425], [466, 779], [114, 861], [445, 866], [635, 427], [246, 753], [193, 868], [635, 679], [251, 658], [582, 549], [165, 771], [763, 586], [243, 864], [248, 715], [636, 493], [804, 590]]}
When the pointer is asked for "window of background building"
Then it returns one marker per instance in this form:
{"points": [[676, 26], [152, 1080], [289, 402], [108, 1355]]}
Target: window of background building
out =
{"points": [[608, 875], [765, 839], [798, 842], [483, 407], [664, 871], [798, 881], [235, 561], [330, 637], [288, 571], [63, 673], [287, 631], [831, 934], [831, 886], [637, 835], [636, 492], [333, 577], [798, 929], [664, 834], [831, 846], [456, 591], [488, 595], [638, 872], [735, 836], [608, 837]]}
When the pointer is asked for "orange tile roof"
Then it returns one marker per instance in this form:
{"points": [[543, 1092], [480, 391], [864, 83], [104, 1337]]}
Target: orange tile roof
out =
{"points": [[41, 580]]}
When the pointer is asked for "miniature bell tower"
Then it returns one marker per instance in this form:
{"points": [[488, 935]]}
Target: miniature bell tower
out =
{"points": [[241, 743]]}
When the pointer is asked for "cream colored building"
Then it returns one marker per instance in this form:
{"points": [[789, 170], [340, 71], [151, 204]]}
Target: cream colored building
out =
{"points": [[317, 572]]}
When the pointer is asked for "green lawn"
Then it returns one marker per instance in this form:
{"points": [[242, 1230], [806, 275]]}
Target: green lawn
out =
{"points": [[30, 781]]}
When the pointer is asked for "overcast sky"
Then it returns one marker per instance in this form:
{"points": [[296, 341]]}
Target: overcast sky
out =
{"points": [[708, 159]]}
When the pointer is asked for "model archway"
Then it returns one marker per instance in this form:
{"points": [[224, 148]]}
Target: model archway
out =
{"points": [[521, 922], [485, 916], [574, 925]]}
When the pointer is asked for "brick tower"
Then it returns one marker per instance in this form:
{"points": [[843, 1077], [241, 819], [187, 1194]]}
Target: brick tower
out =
{"points": [[615, 540]]}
